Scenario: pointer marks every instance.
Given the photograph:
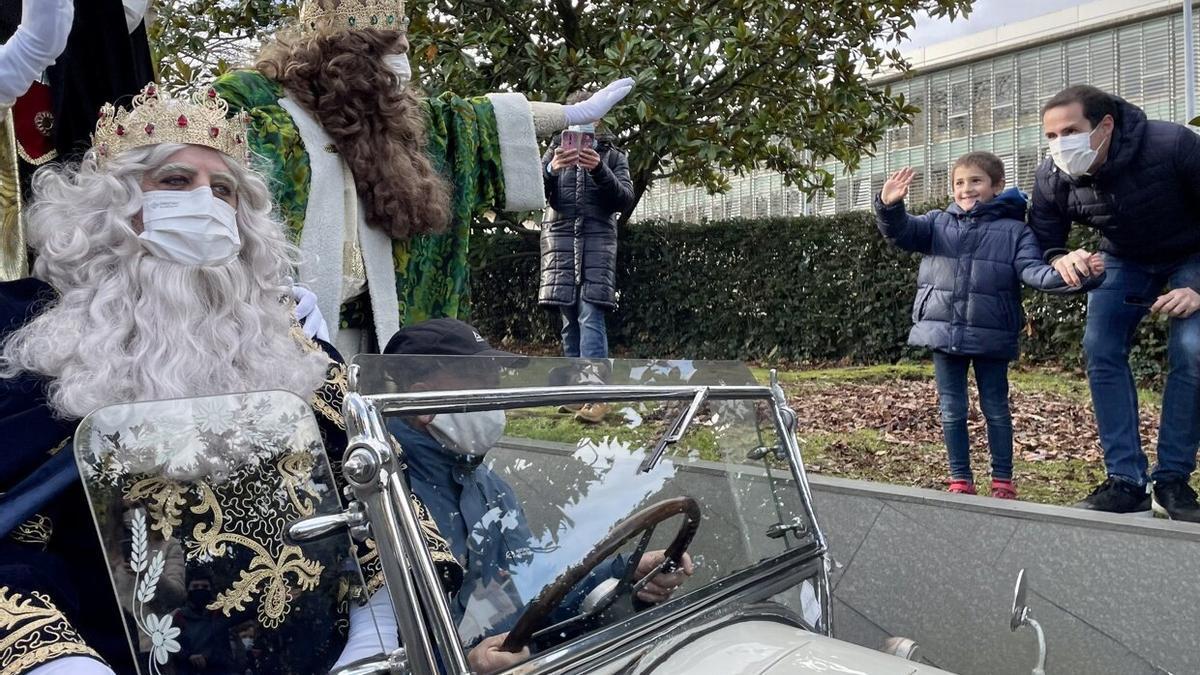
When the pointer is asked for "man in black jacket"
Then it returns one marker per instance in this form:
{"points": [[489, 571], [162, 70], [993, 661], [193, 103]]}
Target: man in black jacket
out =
{"points": [[587, 189], [1137, 181]]}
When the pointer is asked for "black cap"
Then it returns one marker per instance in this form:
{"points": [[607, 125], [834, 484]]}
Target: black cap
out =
{"points": [[442, 337]]}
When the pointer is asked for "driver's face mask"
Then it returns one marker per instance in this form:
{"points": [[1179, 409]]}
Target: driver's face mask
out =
{"points": [[468, 434], [398, 64], [189, 227]]}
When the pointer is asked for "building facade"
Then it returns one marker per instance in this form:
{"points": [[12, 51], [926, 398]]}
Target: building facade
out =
{"points": [[980, 92]]}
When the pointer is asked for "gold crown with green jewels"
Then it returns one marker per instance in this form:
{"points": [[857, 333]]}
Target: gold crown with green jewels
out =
{"points": [[157, 117], [352, 15]]}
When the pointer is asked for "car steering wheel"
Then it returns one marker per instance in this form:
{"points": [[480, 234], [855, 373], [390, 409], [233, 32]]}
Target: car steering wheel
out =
{"points": [[643, 522]]}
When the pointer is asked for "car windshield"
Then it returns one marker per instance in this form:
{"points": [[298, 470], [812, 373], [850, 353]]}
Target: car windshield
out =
{"points": [[526, 495]]}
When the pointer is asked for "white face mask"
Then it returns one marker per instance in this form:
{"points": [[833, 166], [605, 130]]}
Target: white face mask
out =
{"points": [[398, 64], [1073, 155], [190, 228], [469, 434]]}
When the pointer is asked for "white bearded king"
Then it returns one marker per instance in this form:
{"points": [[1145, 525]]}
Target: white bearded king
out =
{"points": [[377, 184], [160, 298]]}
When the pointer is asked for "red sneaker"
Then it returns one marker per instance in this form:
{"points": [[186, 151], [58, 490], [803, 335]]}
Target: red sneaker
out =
{"points": [[1003, 489], [960, 486]]}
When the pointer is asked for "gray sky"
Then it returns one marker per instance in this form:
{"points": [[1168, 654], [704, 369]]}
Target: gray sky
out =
{"points": [[985, 14]]}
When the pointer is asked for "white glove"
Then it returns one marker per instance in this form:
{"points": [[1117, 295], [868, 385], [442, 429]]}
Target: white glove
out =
{"points": [[41, 37], [369, 624], [598, 104], [135, 11], [309, 314]]}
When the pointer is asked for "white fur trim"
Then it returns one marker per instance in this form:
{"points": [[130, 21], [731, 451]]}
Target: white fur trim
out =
{"points": [[376, 248], [322, 237], [519, 156]]}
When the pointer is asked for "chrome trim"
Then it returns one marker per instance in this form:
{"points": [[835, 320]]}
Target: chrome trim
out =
{"points": [[374, 475], [467, 400], [785, 428]]}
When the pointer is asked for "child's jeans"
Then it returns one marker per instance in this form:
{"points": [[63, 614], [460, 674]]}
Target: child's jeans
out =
{"points": [[991, 375]]}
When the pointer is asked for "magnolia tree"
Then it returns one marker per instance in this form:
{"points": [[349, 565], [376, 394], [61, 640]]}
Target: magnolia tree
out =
{"points": [[722, 85]]}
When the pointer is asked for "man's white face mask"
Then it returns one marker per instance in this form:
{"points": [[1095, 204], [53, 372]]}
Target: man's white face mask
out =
{"points": [[1074, 155], [190, 228], [469, 434], [398, 64]]}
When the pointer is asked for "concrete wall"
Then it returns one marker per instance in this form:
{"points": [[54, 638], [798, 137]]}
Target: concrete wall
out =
{"points": [[1116, 594]]}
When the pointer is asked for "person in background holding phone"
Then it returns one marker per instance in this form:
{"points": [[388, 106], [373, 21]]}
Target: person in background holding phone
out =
{"points": [[975, 255], [1137, 181], [588, 188]]}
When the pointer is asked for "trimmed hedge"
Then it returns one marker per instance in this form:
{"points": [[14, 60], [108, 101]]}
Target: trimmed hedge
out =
{"points": [[797, 289]]}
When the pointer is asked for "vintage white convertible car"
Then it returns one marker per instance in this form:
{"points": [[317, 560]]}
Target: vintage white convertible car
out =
{"points": [[234, 493]]}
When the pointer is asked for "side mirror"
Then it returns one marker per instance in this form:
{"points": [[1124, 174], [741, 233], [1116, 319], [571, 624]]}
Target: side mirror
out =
{"points": [[1020, 617], [1020, 611]]}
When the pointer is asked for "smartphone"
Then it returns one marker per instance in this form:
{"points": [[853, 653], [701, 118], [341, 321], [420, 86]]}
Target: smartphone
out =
{"points": [[571, 140], [1139, 301], [587, 139]]}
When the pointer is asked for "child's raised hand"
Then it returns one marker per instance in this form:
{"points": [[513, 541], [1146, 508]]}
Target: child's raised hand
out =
{"points": [[896, 187], [1096, 264]]}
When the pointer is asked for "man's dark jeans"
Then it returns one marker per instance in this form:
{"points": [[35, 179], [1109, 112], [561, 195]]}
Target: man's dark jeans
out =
{"points": [[991, 376], [1111, 324]]}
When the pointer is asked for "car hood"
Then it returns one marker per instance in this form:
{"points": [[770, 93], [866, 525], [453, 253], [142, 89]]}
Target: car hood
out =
{"points": [[772, 648]]}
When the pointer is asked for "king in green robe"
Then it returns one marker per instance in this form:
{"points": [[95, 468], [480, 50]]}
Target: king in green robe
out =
{"points": [[372, 279]]}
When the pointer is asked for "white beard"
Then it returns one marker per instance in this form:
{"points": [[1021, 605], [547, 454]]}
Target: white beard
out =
{"points": [[152, 329]]}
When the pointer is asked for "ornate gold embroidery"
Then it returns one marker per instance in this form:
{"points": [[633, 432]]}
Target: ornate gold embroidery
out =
{"points": [[260, 532], [327, 399], [33, 631], [166, 501], [36, 531]]}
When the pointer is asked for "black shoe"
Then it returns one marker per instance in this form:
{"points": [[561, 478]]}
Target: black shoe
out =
{"points": [[1117, 496], [1176, 500]]}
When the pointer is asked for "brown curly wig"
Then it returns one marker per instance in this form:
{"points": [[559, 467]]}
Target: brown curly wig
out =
{"points": [[378, 128]]}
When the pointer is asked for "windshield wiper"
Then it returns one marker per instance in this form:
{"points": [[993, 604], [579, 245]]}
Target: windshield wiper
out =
{"points": [[675, 433]]}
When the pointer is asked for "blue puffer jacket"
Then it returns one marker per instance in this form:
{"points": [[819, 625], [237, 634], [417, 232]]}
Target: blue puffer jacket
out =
{"points": [[969, 285], [479, 514], [1143, 199]]}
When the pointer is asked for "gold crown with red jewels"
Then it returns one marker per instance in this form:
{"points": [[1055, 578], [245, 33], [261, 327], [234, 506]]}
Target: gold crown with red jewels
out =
{"points": [[352, 15], [157, 117]]}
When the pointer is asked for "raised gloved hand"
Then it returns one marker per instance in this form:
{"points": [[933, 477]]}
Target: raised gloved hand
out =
{"points": [[309, 315], [41, 37], [598, 104]]}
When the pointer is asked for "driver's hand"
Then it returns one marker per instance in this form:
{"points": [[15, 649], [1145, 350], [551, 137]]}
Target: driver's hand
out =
{"points": [[661, 586], [487, 657]]}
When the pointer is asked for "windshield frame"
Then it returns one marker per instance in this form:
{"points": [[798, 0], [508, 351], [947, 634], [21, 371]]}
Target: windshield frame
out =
{"points": [[398, 533]]}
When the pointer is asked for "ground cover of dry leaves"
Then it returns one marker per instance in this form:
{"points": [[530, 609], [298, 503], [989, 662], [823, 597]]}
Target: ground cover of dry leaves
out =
{"points": [[882, 424]]}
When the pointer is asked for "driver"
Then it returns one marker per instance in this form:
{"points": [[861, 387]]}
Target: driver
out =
{"points": [[475, 508]]}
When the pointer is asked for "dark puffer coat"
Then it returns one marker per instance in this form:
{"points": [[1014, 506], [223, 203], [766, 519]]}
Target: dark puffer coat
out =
{"points": [[579, 232], [1144, 198], [969, 285]]}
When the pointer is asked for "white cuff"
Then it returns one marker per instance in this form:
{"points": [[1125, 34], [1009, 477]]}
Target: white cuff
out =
{"points": [[519, 157], [73, 665]]}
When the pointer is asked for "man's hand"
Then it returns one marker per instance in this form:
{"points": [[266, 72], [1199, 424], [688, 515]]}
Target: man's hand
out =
{"points": [[1074, 267], [1096, 264], [563, 159], [589, 158], [487, 657], [1178, 304], [895, 188], [661, 586]]}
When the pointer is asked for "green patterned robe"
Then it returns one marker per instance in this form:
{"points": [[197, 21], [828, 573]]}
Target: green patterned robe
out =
{"points": [[432, 274]]}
